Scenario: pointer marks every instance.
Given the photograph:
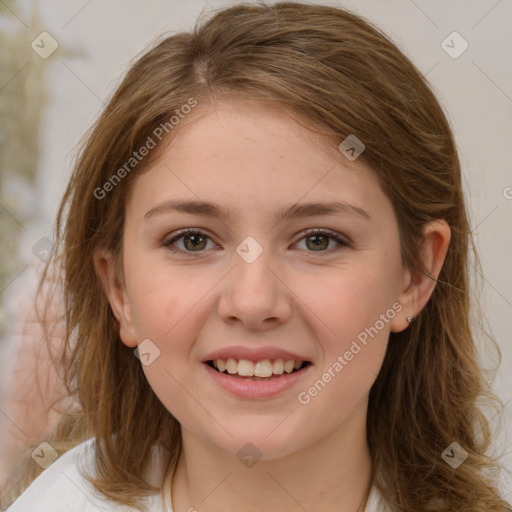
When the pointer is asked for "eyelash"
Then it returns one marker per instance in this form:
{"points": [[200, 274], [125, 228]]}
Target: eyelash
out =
{"points": [[310, 232]]}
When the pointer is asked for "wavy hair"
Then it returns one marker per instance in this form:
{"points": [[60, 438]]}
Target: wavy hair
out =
{"points": [[336, 74]]}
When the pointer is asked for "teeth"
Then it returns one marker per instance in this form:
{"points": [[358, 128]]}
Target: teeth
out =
{"points": [[263, 369], [231, 366], [288, 366], [245, 368], [278, 367]]}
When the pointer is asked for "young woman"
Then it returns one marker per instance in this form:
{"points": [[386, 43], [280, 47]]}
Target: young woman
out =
{"points": [[264, 247]]}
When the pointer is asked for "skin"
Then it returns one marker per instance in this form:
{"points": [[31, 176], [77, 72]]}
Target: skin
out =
{"points": [[311, 301]]}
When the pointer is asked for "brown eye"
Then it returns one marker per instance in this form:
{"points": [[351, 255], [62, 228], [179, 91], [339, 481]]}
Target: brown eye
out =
{"points": [[192, 241], [319, 241]]}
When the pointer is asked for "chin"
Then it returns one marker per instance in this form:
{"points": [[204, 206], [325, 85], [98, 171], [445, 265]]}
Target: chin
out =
{"points": [[261, 442]]}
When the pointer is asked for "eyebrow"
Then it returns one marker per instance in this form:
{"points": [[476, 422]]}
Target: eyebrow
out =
{"points": [[297, 210]]}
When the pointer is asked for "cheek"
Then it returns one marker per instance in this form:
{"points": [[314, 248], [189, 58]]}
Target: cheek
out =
{"points": [[357, 309], [161, 297], [351, 299], [169, 307], [165, 307], [354, 309]]}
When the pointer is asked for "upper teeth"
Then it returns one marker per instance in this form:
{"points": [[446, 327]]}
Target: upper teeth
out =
{"points": [[264, 368]]}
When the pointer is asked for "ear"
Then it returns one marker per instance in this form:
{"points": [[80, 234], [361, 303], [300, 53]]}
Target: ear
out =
{"points": [[116, 295], [417, 287]]}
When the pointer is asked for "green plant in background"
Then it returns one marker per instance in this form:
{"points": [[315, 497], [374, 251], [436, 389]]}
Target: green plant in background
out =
{"points": [[23, 98]]}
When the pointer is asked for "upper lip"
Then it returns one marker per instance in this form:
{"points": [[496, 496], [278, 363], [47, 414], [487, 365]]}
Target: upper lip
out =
{"points": [[253, 354]]}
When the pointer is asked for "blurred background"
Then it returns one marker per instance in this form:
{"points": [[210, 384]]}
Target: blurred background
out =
{"points": [[61, 61]]}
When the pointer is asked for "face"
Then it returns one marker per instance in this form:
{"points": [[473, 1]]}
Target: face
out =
{"points": [[317, 287]]}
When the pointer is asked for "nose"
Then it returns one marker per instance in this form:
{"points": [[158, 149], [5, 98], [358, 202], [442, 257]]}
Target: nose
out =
{"points": [[255, 294]]}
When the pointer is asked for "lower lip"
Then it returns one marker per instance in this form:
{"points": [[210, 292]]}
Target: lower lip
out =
{"points": [[256, 389]]}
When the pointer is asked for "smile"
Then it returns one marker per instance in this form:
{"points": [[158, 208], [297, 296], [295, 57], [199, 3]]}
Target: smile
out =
{"points": [[240, 377], [257, 370]]}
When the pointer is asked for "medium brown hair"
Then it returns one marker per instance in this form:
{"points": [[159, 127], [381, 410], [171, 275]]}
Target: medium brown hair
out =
{"points": [[336, 74]]}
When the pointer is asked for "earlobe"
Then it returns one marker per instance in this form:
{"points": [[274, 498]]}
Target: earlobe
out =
{"points": [[418, 287], [116, 295]]}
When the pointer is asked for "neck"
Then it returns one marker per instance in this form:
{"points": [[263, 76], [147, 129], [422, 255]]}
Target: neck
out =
{"points": [[333, 473]]}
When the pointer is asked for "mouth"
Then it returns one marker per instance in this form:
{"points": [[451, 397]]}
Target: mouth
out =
{"points": [[265, 370]]}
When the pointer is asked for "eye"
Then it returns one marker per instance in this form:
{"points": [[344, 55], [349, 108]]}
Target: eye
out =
{"points": [[318, 240], [192, 240]]}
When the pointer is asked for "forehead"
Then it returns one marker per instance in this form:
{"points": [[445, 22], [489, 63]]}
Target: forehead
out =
{"points": [[247, 156]]}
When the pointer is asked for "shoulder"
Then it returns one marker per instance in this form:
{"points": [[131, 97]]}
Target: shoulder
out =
{"points": [[63, 487], [376, 502]]}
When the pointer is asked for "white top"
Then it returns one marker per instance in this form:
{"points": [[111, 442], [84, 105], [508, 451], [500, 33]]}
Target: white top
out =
{"points": [[62, 488]]}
